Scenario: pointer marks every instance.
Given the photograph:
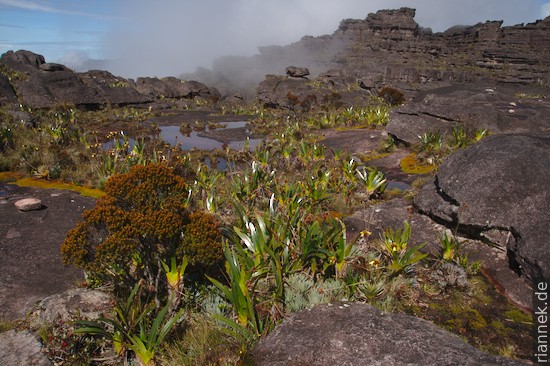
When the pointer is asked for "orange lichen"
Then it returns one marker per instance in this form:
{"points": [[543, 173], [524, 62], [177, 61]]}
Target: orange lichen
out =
{"points": [[411, 165], [55, 184]]}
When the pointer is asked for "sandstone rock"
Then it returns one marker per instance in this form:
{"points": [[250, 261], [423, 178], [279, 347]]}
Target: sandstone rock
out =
{"points": [[21, 348], [297, 72], [359, 334], [497, 191], [28, 204]]}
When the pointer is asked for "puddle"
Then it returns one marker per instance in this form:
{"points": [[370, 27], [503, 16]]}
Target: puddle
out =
{"points": [[173, 136], [393, 184], [221, 164]]}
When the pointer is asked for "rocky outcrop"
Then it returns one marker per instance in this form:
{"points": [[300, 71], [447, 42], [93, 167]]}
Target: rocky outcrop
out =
{"points": [[302, 94], [113, 90], [497, 192], [389, 47], [172, 87], [38, 84], [390, 43], [359, 334], [44, 86], [501, 109]]}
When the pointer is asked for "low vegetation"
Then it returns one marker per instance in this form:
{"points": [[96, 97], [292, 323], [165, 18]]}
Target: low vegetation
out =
{"points": [[203, 262]]}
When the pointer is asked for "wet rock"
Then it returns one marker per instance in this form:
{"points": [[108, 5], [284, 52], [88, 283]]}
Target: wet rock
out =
{"points": [[359, 334], [21, 348], [497, 191], [28, 204]]}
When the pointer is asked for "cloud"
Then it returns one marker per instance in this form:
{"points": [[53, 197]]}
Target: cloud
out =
{"points": [[169, 37]]}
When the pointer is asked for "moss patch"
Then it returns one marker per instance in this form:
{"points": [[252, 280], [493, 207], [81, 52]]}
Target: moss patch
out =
{"points": [[411, 165], [47, 184], [483, 317]]}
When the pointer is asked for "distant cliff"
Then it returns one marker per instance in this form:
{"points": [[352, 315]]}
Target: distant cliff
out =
{"points": [[391, 46]]}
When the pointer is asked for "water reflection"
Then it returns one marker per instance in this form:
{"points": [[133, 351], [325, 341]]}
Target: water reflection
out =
{"points": [[173, 136]]}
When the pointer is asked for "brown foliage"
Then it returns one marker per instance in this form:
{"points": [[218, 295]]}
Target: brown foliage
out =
{"points": [[141, 220], [392, 96]]}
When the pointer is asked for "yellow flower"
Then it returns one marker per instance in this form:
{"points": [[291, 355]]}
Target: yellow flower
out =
{"points": [[365, 233]]}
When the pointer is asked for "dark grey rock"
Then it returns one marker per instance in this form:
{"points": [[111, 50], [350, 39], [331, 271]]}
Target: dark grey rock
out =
{"points": [[50, 66], [114, 90], [172, 87], [499, 109], [497, 191], [359, 334], [7, 94], [297, 72]]}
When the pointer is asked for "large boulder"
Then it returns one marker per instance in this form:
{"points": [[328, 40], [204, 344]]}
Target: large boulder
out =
{"points": [[115, 90], [43, 85], [359, 334], [499, 109], [497, 191]]}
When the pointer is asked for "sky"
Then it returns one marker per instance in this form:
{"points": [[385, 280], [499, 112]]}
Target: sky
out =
{"points": [[170, 37]]}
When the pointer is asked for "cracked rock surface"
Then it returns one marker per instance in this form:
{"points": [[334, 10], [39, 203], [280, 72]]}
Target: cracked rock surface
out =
{"points": [[501, 109], [497, 191]]}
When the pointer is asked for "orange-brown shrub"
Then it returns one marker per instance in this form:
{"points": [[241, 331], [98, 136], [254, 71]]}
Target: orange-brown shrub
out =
{"points": [[202, 243], [392, 96], [141, 220]]}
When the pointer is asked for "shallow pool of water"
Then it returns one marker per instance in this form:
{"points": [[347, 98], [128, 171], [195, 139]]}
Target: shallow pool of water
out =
{"points": [[173, 136]]}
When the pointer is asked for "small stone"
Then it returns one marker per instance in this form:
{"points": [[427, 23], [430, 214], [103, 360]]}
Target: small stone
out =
{"points": [[28, 204]]}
